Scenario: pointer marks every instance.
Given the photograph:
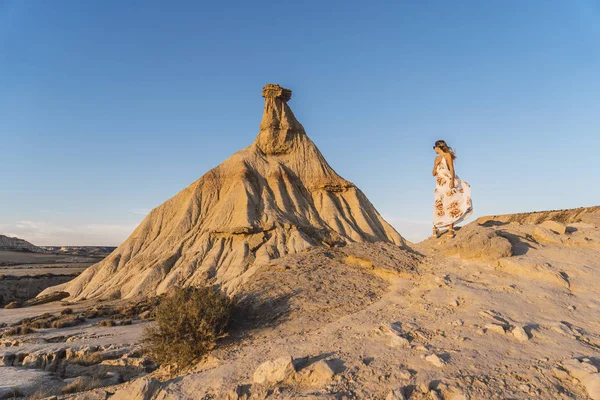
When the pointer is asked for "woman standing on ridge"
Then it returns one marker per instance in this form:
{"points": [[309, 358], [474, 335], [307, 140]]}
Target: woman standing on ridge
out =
{"points": [[452, 196]]}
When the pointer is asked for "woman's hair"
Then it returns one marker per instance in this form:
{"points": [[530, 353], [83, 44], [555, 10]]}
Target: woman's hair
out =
{"points": [[445, 148]]}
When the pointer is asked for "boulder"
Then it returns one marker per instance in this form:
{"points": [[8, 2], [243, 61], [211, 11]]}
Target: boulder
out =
{"points": [[276, 371], [140, 389], [396, 394], [435, 360], [519, 333], [497, 328], [545, 235], [477, 242], [554, 226], [587, 374], [318, 374]]}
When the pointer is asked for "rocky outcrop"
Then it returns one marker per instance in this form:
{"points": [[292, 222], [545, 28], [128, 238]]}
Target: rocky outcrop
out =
{"points": [[563, 216], [22, 288], [16, 244], [276, 197]]}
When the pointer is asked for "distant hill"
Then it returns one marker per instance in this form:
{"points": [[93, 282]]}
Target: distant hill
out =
{"points": [[16, 244], [94, 251]]}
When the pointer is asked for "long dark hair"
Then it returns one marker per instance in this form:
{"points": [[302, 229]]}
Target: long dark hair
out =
{"points": [[441, 144]]}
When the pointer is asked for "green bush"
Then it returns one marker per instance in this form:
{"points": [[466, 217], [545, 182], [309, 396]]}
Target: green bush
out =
{"points": [[188, 324]]}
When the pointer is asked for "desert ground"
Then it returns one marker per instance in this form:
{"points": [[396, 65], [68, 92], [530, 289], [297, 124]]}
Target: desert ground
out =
{"points": [[506, 310]]}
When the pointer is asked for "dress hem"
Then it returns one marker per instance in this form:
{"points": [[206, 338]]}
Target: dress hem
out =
{"points": [[458, 220]]}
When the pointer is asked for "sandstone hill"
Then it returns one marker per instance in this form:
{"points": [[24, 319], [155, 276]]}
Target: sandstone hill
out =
{"points": [[278, 196], [16, 244]]}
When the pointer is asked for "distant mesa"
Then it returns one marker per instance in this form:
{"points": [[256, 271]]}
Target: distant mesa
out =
{"points": [[276, 197], [16, 244]]}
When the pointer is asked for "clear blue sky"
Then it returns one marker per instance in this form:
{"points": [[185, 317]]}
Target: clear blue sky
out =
{"points": [[108, 108]]}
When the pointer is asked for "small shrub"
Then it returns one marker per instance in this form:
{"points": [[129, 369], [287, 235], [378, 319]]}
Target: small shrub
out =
{"points": [[66, 311], [67, 322], [125, 322], [81, 385], [107, 322], [188, 324], [88, 359], [19, 330]]}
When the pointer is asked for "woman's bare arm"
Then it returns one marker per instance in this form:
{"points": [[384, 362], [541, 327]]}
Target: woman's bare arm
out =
{"points": [[450, 163], [435, 165]]}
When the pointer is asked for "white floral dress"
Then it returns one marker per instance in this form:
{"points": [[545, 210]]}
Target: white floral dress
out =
{"points": [[452, 205]]}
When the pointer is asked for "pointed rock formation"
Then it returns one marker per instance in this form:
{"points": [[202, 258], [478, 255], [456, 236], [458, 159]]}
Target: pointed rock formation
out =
{"points": [[277, 196]]}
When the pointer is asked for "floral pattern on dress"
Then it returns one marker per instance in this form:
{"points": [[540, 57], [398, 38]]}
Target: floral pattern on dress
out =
{"points": [[451, 205]]}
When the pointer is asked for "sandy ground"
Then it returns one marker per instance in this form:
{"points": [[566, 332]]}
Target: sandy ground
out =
{"points": [[450, 318]]}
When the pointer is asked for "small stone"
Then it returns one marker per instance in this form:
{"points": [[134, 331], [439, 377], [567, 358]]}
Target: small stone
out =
{"points": [[423, 387], [143, 388], [433, 395], [560, 374], [458, 322], [435, 360], [275, 371], [519, 333], [403, 374], [396, 394], [318, 374], [571, 308], [399, 341], [145, 314], [496, 328]]}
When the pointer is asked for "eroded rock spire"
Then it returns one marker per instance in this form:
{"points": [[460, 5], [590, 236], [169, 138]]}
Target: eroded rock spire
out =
{"points": [[279, 129], [276, 197]]}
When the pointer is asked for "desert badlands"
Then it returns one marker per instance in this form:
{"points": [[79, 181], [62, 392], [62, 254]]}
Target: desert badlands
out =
{"points": [[332, 302]]}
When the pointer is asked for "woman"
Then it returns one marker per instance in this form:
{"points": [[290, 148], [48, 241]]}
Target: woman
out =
{"points": [[452, 196]]}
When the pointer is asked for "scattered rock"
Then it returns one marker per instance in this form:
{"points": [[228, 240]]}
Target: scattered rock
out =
{"points": [[495, 328], [275, 371], [396, 340], [399, 341], [145, 314], [140, 389], [433, 395], [317, 374], [519, 333], [435, 360], [396, 394]]}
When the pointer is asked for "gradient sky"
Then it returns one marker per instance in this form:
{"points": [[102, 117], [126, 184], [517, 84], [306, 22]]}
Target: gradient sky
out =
{"points": [[108, 108]]}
